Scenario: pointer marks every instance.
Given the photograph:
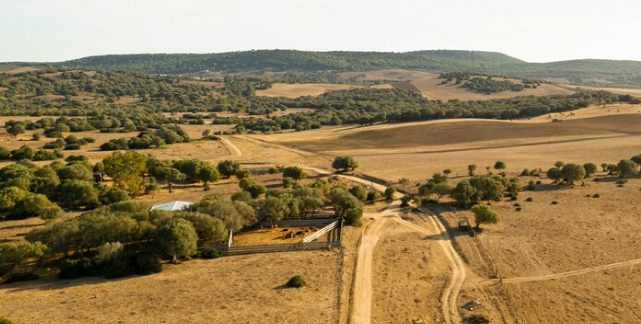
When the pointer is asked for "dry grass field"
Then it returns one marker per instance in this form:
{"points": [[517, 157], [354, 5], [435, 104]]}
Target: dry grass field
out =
{"points": [[431, 87], [579, 256], [239, 289], [417, 150], [308, 89]]}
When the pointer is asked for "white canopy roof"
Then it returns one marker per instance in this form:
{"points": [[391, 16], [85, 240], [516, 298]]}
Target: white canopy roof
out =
{"points": [[171, 206]]}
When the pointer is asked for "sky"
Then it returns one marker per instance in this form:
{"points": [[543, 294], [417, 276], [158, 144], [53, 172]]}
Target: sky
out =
{"points": [[534, 31]]}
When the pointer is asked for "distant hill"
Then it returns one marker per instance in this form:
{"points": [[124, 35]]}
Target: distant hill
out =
{"points": [[289, 60], [582, 72]]}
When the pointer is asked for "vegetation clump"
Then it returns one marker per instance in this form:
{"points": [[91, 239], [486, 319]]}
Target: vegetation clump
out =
{"points": [[296, 282]]}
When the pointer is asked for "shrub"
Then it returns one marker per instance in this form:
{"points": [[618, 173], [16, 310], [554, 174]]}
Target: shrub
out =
{"points": [[517, 205], [209, 253], [373, 195], [146, 264], [529, 199], [72, 269], [555, 202], [405, 201], [518, 209], [596, 196], [274, 170], [5, 321], [296, 282]]}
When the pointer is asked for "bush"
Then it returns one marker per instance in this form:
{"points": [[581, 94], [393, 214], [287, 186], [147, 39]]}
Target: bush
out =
{"points": [[19, 277], [5, 321], [373, 195], [72, 269], [146, 264], [405, 200], [518, 209], [529, 199], [209, 253], [555, 202], [296, 282], [596, 196]]}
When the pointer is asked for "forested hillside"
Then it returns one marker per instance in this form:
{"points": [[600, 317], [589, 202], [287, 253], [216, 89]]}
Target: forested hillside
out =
{"points": [[583, 72], [286, 60]]}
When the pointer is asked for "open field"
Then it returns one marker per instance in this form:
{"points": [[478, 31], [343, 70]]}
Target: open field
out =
{"points": [[199, 291], [431, 87], [417, 150], [579, 256], [307, 89]]}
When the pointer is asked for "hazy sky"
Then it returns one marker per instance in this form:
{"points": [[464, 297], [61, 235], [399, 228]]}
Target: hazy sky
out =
{"points": [[536, 31]]}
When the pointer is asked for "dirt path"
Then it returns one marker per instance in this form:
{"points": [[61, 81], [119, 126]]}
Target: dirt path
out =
{"points": [[233, 149], [565, 274]]}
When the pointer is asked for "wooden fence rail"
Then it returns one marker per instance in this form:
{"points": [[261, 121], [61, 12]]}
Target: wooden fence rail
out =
{"points": [[320, 232]]}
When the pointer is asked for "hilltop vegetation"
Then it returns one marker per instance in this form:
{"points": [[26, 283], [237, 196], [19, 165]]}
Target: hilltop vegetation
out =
{"points": [[288, 60], [583, 72]]}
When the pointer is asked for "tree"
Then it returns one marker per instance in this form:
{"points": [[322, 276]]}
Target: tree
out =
{"points": [[590, 169], [169, 175], [75, 172], [626, 168], [295, 173], [24, 152], [389, 193], [207, 228], [110, 195], [126, 169], [235, 215], [16, 130], [344, 164], [346, 206], [483, 214], [441, 189], [16, 257], [499, 165], [464, 193], [78, 193], [604, 167], [559, 164], [208, 173], [470, 169], [36, 205], [554, 174], [177, 238], [228, 168], [487, 188], [572, 172], [637, 160], [447, 172], [359, 192]]}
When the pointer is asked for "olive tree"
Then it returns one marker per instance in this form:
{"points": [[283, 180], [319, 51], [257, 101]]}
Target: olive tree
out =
{"points": [[344, 164], [177, 238], [483, 214]]}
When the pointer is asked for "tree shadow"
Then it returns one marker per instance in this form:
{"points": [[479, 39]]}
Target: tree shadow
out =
{"points": [[53, 283]]}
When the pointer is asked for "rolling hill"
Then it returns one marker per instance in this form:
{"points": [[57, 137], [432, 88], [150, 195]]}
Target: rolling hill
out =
{"points": [[588, 72]]}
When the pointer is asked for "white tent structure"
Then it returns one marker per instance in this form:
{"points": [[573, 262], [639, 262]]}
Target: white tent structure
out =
{"points": [[174, 205]]}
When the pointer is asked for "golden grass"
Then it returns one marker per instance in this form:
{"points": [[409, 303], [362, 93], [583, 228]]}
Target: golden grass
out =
{"points": [[302, 89], [239, 289]]}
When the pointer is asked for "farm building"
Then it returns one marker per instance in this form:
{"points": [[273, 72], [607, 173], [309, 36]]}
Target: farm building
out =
{"points": [[174, 205]]}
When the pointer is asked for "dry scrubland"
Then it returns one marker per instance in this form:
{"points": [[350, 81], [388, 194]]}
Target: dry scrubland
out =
{"points": [[410, 270]]}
